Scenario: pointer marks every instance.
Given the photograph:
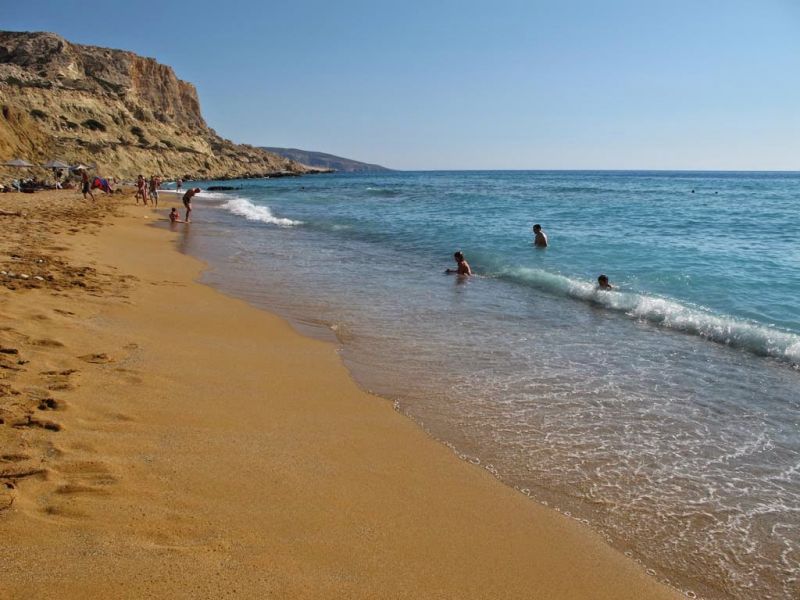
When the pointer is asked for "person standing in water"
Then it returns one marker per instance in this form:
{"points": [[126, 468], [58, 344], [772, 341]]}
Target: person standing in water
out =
{"points": [[187, 201], [463, 265], [539, 237]]}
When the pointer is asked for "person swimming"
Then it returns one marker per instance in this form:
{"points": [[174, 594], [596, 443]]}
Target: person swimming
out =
{"points": [[603, 284], [539, 237], [463, 265]]}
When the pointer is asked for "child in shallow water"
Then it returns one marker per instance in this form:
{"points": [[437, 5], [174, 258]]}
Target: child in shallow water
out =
{"points": [[174, 217], [463, 265]]}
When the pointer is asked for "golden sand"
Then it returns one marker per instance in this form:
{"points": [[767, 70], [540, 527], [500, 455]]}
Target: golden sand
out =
{"points": [[162, 440]]}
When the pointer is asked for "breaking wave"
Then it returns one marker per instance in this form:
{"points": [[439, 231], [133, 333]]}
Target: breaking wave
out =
{"points": [[670, 314], [253, 212]]}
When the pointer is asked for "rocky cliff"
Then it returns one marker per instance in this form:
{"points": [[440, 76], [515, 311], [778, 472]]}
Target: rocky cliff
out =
{"points": [[126, 113]]}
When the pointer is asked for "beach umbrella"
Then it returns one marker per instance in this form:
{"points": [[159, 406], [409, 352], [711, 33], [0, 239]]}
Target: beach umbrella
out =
{"points": [[79, 167], [17, 162], [55, 164]]}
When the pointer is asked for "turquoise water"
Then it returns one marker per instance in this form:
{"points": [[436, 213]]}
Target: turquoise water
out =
{"points": [[665, 413]]}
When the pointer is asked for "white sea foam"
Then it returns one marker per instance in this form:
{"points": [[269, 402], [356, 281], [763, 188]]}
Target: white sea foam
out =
{"points": [[668, 313], [252, 212]]}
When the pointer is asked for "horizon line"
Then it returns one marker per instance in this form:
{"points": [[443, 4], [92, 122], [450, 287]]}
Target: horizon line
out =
{"points": [[584, 170]]}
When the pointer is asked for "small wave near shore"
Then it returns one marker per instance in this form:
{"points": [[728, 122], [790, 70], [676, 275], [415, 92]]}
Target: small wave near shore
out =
{"points": [[664, 312], [252, 212]]}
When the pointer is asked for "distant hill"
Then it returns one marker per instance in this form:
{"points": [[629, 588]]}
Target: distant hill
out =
{"points": [[321, 159]]}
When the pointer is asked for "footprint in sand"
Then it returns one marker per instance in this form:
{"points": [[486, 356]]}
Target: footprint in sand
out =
{"points": [[85, 477], [79, 488], [59, 380], [30, 421], [20, 472], [129, 376], [7, 390], [47, 343], [14, 457], [63, 510], [50, 404], [100, 358], [7, 494], [43, 399], [11, 364]]}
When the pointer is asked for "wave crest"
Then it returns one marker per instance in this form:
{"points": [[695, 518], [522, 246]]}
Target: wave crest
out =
{"points": [[664, 312], [252, 212]]}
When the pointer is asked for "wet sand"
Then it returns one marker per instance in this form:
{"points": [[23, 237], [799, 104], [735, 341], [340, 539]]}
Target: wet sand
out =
{"points": [[160, 439]]}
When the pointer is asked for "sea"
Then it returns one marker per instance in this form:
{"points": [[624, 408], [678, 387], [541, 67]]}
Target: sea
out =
{"points": [[663, 414]]}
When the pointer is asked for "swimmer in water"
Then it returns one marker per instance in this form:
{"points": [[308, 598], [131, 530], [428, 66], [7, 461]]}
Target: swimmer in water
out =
{"points": [[539, 237], [463, 265], [603, 284]]}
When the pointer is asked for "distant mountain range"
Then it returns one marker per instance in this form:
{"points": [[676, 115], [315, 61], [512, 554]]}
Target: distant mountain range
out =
{"points": [[321, 159]]}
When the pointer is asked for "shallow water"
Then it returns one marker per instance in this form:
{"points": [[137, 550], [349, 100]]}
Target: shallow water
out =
{"points": [[665, 413]]}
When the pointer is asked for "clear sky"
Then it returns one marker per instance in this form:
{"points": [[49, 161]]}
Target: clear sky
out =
{"points": [[446, 84]]}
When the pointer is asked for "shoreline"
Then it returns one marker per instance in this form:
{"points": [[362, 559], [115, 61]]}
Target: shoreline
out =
{"points": [[206, 446]]}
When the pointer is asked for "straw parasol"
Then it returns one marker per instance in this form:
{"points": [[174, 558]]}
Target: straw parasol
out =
{"points": [[17, 162], [55, 164]]}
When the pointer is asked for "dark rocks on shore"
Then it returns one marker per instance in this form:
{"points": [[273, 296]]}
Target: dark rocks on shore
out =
{"points": [[268, 175]]}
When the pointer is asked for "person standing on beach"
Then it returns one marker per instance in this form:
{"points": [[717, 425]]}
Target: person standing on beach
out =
{"points": [[187, 202], [85, 184], [463, 265], [141, 190], [155, 183], [539, 237], [179, 185]]}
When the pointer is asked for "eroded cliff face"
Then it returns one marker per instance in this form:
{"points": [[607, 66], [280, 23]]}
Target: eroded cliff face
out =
{"points": [[127, 113]]}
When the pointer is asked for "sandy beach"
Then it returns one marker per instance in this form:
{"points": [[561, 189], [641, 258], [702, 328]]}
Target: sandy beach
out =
{"points": [[160, 439]]}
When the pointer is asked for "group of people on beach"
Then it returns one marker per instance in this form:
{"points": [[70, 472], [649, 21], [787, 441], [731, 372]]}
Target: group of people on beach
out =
{"points": [[148, 189], [539, 241]]}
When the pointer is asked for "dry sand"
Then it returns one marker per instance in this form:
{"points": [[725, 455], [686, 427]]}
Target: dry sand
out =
{"points": [[162, 440]]}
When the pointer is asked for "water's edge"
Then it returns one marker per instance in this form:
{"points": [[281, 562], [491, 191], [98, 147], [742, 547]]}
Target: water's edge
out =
{"points": [[322, 331]]}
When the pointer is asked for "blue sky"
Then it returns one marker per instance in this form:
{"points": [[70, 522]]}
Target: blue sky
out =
{"points": [[647, 84]]}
